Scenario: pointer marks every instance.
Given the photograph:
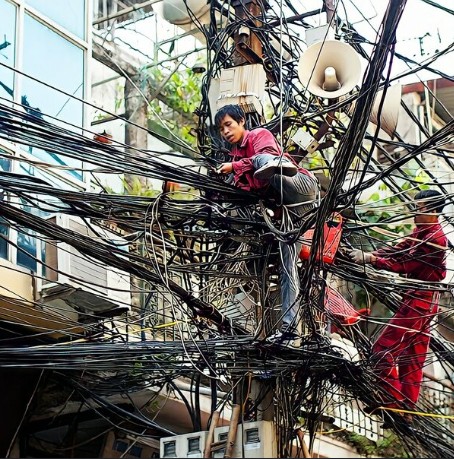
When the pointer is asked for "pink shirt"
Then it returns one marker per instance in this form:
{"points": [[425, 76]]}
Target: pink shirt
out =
{"points": [[257, 141]]}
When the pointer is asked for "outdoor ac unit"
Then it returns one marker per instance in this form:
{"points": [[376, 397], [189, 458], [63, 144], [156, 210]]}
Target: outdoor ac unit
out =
{"points": [[253, 439], [259, 441], [129, 447], [75, 283], [187, 445]]}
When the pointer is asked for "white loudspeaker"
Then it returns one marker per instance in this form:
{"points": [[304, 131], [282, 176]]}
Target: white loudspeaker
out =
{"points": [[390, 109], [329, 69], [181, 12]]}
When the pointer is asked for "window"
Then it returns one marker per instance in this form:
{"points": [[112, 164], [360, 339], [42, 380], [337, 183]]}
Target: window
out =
{"points": [[69, 14], [7, 48], [252, 436], [222, 437], [26, 242], [51, 58], [123, 447], [5, 165], [194, 445], [4, 234], [120, 446], [170, 449], [26, 249]]}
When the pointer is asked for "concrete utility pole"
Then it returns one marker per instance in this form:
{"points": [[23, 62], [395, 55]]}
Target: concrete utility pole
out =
{"points": [[136, 96], [136, 112]]}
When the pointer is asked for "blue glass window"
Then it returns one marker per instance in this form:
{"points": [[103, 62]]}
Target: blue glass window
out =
{"points": [[26, 241], [5, 165], [26, 249], [47, 204], [49, 57], [69, 14], [4, 235], [5, 162], [7, 48]]}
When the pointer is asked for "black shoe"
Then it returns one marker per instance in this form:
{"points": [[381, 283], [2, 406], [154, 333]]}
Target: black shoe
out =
{"points": [[276, 166]]}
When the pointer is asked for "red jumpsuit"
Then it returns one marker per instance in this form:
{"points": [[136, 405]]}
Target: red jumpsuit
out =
{"points": [[402, 347]]}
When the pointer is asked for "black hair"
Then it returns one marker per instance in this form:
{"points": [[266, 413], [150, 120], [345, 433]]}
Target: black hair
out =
{"points": [[234, 111], [435, 200]]}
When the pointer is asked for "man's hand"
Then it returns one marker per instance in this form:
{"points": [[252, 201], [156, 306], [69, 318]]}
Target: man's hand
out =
{"points": [[226, 168], [361, 257]]}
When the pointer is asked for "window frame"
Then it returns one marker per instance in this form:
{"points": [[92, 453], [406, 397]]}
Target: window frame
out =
{"points": [[22, 8]]}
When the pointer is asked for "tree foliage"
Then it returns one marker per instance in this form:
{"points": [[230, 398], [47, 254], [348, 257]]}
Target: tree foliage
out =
{"points": [[182, 91]]}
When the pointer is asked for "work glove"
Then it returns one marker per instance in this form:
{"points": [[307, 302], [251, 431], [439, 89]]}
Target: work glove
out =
{"points": [[360, 257]]}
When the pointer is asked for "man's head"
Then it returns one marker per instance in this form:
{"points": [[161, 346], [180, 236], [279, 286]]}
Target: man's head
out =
{"points": [[430, 204], [230, 122]]}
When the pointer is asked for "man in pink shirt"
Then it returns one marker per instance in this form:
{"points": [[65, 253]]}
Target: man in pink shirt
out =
{"points": [[258, 163], [401, 349]]}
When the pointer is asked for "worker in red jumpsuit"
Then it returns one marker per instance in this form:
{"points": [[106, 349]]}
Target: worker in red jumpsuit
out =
{"points": [[401, 349], [258, 164]]}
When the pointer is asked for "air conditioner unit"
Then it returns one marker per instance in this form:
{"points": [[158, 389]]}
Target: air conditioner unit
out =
{"points": [[253, 440], [259, 441], [129, 447], [80, 286], [186, 445]]}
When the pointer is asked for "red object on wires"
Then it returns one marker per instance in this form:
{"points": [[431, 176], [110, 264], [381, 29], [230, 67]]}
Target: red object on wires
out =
{"points": [[339, 307], [170, 187], [104, 137], [332, 232]]}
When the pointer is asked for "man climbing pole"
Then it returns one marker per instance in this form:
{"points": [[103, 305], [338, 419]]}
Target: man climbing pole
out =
{"points": [[258, 163]]}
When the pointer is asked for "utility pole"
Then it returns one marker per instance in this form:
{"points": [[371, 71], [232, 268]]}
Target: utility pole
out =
{"points": [[249, 50], [247, 45], [136, 112], [330, 10]]}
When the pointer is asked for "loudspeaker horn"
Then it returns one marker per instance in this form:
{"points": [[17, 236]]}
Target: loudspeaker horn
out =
{"points": [[181, 12], [390, 111], [329, 69]]}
